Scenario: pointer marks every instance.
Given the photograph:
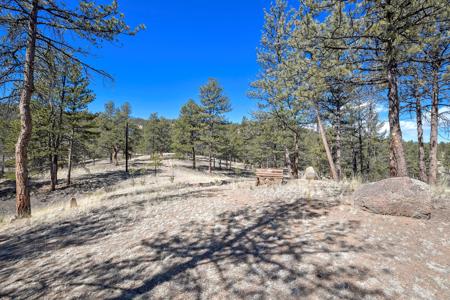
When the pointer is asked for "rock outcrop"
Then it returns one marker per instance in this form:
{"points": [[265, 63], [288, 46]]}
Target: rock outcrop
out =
{"points": [[400, 196]]}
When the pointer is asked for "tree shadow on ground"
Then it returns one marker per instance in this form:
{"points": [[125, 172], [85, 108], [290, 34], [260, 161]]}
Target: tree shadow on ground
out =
{"points": [[252, 249], [8, 188], [84, 230], [276, 250], [83, 183]]}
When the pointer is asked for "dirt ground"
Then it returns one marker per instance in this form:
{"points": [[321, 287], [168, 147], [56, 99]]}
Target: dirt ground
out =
{"points": [[219, 237]]}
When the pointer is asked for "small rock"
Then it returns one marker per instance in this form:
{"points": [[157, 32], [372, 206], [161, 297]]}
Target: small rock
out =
{"points": [[310, 174], [73, 203]]}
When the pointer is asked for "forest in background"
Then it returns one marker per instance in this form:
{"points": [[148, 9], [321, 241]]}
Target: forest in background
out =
{"points": [[67, 134]]}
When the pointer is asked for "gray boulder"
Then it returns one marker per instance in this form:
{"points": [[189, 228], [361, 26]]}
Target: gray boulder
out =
{"points": [[400, 196], [310, 174]]}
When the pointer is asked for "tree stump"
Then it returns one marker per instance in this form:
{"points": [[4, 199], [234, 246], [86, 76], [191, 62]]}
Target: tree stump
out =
{"points": [[73, 203]]}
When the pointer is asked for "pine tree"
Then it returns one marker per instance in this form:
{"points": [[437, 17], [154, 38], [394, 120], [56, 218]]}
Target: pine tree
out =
{"points": [[8, 133], [436, 57], [60, 118], [414, 93], [214, 107], [271, 89], [187, 130], [31, 27], [157, 135], [112, 123], [49, 103], [336, 104], [80, 122], [232, 146], [379, 36]]}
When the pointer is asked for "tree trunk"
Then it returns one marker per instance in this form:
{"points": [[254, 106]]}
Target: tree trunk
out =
{"points": [[2, 170], [294, 161], [193, 158], [53, 171], [325, 145], [126, 148], [69, 159], [287, 159], [274, 157], [370, 150], [422, 167], [354, 158], [360, 146], [23, 205], [110, 157], [370, 154], [220, 164], [337, 145], [434, 123], [115, 156], [397, 161], [210, 159]]}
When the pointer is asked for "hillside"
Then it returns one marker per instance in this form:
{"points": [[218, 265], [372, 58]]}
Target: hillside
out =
{"points": [[216, 237]]}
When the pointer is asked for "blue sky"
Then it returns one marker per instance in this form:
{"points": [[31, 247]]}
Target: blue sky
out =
{"points": [[185, 43]]}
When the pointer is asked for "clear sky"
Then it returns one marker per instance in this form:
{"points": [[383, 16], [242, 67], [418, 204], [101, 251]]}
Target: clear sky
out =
{"points": [[185, 43]]}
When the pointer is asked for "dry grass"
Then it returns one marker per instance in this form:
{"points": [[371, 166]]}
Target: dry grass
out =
{"points": [[139, 184], [220, 237]]}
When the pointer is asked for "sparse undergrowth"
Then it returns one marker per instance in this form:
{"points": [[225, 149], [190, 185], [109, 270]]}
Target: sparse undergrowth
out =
{"points": [[221, 237]]}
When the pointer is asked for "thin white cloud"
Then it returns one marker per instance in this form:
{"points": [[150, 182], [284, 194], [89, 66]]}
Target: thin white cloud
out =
{"points": [[385, 127], [381, 108], [409, 129]]}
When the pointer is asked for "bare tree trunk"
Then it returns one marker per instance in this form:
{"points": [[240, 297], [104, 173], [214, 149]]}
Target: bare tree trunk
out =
{"points": [[434, 123], [53, 171], [23, 205], [69, 159], [370, 150], [126, 148], [354, 158], [337, 145], [193, 158], [115, 155], [2, 170], [397, 161], [287, 159], [325, 145], [110, 157], [294, 161], [360, 146], [210, 160], [422, 167], [370, 154]]}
